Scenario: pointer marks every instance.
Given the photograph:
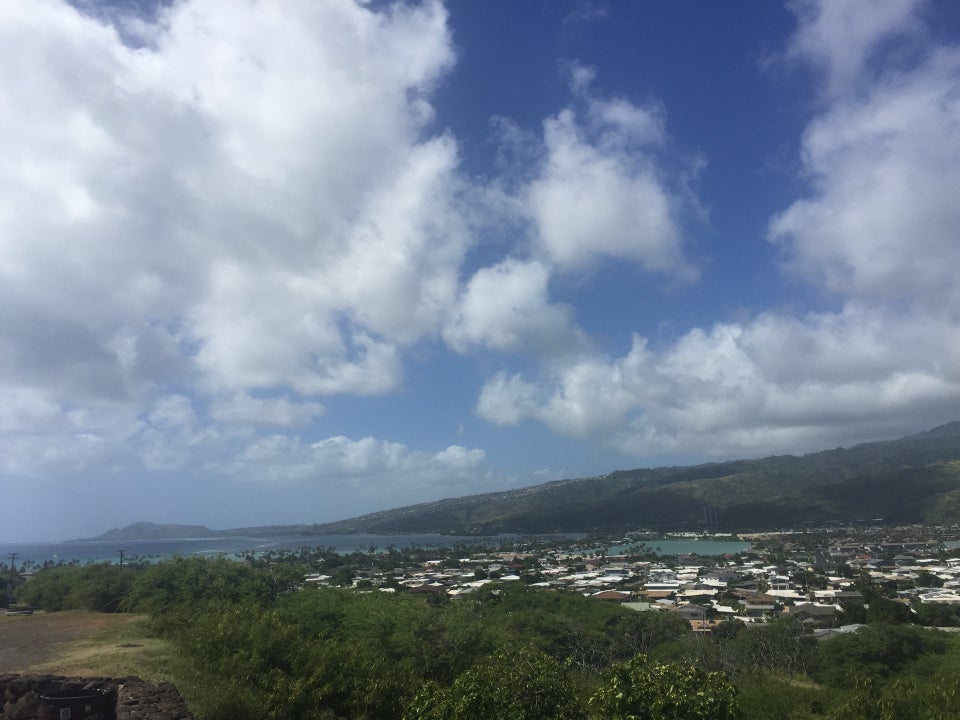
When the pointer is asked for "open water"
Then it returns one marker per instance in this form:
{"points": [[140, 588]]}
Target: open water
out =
{"points": [[37, 554], [154, 550]]}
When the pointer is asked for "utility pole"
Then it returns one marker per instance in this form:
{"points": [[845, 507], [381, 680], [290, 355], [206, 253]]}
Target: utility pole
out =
{"points": [[13, 559], [121, 551]]}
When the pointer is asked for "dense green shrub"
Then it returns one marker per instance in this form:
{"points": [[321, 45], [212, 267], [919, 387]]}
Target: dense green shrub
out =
{"points": [[521, 684], [99, 588], [874, 652], [184, 582], [644, 690], [902, 699]]}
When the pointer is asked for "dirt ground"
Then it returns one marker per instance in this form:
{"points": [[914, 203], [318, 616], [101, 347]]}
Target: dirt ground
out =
{"points": [[31, 640]]}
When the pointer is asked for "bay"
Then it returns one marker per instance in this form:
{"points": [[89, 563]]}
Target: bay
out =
{"points": [[36, 554]]}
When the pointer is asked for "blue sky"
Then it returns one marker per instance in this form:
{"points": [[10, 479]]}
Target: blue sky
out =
{"points": [[293, 262]]}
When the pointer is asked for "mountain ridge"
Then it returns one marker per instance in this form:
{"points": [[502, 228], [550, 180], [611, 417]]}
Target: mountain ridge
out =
{"points": [[911, 479]]}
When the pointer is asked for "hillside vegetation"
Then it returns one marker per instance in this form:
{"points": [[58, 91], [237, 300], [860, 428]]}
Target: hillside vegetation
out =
{"points": [[914, 479]]}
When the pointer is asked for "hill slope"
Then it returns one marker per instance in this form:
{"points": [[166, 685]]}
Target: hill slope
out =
{"points": [[914, 479]]}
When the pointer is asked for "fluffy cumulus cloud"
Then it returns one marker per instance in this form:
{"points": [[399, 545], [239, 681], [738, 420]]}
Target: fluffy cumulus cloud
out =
{"points": [[506, 307], [842, 38], [882, 222], [775, 384], [381, 471], [227, 203], [877, 232], [592, 186], [236, 212], [257, 186], [601, 192], [216, 218], [280, 411]]}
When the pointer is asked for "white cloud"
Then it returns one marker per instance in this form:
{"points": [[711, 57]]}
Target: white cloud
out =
{"points": [[278, 411], [372, 468], [842, 37], [20, 408], [508, 399], [173, 411], [249, 208], [43, 437], [878, 233], [506, 307], [881, 223], [601, 193], [258, 185], [202, 237], [774, 384]]}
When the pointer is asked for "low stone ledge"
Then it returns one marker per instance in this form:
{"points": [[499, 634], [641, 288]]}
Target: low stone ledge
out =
{"points": [[128, 698], [151, 701]]}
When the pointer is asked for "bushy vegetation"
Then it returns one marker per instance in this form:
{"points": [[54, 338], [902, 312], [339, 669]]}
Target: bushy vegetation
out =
{"points": [[253, 642], [99, 588], [334, 652], [643, 690]]}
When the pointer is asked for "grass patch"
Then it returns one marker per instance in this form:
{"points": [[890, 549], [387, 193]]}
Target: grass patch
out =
{"points": [[771, 696], [125, 647]]}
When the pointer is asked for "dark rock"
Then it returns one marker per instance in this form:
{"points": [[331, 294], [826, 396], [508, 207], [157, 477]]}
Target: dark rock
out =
{"points": [[128, 698], [23, 708]]}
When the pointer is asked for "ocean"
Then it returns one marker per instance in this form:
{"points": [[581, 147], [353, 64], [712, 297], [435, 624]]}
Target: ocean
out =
{"points": [[235, 547], [36, 554]]}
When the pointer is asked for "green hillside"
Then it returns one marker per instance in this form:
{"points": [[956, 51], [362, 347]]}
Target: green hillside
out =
{"points": [[913, 479]]}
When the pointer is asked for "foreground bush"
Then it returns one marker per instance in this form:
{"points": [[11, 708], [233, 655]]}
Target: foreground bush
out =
{"points": [[509, 685], [645, 690]]}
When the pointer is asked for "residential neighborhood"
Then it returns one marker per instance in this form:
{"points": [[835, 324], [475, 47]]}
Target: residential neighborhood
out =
{"points": [[816, 577]]}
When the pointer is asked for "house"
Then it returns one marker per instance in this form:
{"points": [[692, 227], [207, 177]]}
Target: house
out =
{"points": [[691, 611], [617, 596], [812, 612], [851, 597], [940, 597], [758, 604]]}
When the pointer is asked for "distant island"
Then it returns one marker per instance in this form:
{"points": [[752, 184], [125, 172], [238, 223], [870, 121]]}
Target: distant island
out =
{"points": [[915, 479], [152, 531]]}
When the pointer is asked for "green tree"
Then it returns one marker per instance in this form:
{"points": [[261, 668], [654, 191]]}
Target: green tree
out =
{"points": [[522, 684], [937, 615], [99, 588], [874, 652], [903, 699], [645, 690], [49, 588], [925, 578], [183, 582], [884, 610]]}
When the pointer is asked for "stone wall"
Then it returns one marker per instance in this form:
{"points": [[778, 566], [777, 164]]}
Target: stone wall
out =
{"points": [[127, 698]]}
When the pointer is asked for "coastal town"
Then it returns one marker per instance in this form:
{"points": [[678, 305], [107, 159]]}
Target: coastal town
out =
{"points": [[824, 578], [805, 617]]}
